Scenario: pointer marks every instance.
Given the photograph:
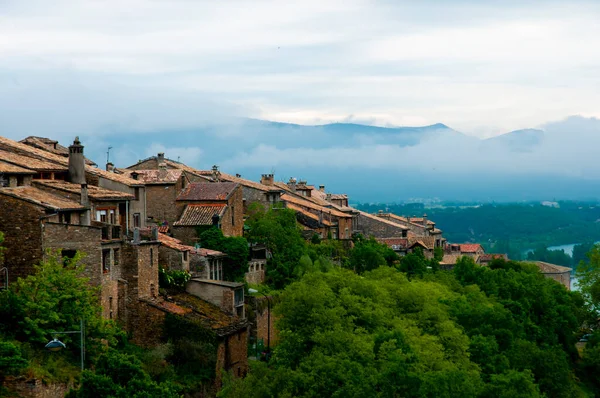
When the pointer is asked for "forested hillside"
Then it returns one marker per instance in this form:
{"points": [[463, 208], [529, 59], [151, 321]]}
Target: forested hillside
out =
{"points": [[509, 228]]}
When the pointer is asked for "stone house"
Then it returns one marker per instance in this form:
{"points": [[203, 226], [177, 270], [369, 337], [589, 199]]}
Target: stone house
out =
{"points": [[379, 227], [485, 259], [419, 226], [264, 192], [559, 273], [49, 166], [203, 204], [228, 296], [404, 246], [52, 146]]}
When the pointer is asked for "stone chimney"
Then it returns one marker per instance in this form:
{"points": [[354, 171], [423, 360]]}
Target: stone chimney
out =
{"points": [[76, 163], [292, 184], [136, 236], [216, 174], [425, 220], [85, 200], [154, 233], [110, 167], [86, 217], [160, 158], [322, 188], [238, 175], [328, 197], [267, 179]]}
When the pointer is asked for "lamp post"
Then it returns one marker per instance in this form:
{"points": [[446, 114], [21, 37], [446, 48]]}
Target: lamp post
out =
{"points": [[57, 345], [254, 291]]}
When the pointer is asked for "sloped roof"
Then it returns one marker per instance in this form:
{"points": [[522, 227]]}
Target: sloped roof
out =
{"points": [[492, 256], [383, 220], [311, 205], [148, 177], [94, 192], [6, 167], [470, 247], [49, 145], [30, 163], [200, 214], [450, 258], [207, 191], [308, 214], [173, 243], [426, 241], [394, 242], [547, 268], [60, 163], [41, 198]]}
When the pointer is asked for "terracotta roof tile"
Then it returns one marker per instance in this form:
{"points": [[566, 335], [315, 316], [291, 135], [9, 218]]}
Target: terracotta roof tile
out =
{"points": [[41, 198], [49, 145], [94, 192], [169, 176], [200, 214], [308, 214], [30, 163], [394, 242], [207, 191], [173, 243], [14, 169], [492, 256], [311, 205], [383, 220], [547, 268], [470, 247]]}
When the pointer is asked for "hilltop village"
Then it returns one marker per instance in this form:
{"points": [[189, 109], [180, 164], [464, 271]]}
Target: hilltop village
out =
{"points": [[131, 221]]}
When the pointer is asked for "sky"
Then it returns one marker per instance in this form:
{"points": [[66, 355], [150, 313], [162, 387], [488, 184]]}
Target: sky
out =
{"points": [[482, 68]]}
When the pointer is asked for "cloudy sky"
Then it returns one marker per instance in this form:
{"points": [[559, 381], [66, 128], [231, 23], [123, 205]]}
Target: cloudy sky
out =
{"points": [[90, 66]]}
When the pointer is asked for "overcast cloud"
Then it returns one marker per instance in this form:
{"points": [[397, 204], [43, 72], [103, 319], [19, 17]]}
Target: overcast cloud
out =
{"points": [[92, 67]]}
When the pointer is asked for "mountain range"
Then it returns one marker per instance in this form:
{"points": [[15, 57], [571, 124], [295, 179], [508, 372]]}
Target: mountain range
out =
{"points": [[371, 163]]}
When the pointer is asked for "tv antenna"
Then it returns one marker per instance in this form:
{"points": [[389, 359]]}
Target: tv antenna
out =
{"points": [[108, 154]]}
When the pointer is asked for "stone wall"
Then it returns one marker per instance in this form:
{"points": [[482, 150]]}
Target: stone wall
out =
{"points": [[34, 388], [232, 222], [256, 271], [140, 269], [262, 323], [372, 226], [232, 355], [20, 223], [172, 259], [187, 235], [563, 278], [146, 324], [160, 202]]}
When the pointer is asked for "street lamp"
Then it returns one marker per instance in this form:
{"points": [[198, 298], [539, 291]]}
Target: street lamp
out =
{"points": [[57, 345], [254, 291]]}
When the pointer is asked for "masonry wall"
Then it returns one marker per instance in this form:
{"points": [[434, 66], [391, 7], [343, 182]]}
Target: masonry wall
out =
{"points": [[160, 202], [172, 259], [562, 278], [85, 239], [140, 269], [212, 293], [232, 355], [262, 323], [20, 223], [24, 387], [135, 206], [234, 226], [376, 228], [146, 324], [187, 235]]}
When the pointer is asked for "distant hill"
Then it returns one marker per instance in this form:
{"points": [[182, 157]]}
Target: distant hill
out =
{"points": [[519, 140]]}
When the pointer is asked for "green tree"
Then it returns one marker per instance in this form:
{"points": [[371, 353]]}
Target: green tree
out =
{"points": [[278, 230], [11, 359], [235, 264], [414, 264]]}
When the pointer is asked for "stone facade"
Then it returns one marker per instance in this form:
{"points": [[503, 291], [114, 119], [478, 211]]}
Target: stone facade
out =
{"points": [[34, 388], [160, 201], [262, 323], [256, 271], [232, 354], [229, 296], [370, 225]]}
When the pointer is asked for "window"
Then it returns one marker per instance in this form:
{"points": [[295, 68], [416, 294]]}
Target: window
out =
{"points": [[67, 254], [101, 215], [68, 218], [20, 181], [105, 261], [185, 256], [136, 193], [136, 220], [239, 297]]}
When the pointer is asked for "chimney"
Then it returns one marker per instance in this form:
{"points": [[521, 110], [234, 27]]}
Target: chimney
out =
{"points": [[322, 188], [292, 184], [136, 235], [160, 158], [76, 163], [216, 174], [238, 175], [110, 167], [425, 220], [267, 179], [154, 231], [85, 201], [328, 197]]}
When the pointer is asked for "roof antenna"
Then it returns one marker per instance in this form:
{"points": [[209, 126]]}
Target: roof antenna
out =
{"points": [[178, 157], [108, 154]]}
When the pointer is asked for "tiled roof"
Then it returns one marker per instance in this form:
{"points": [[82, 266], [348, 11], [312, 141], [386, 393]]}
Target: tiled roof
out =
{"points": [[470, 247], [173, 243], [200, 214], [311, 205], [383, 220], [308, 214], [30, 163], [14, 169], [163, 229], [547, 268], [492, 256], [205, 191], [41, 198], [208, 252], [61, 163], [209, 315], [169, 176], [94, 192], [419, 220], [394, 242], [52, 146], [427, 241], [451, 258]]}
